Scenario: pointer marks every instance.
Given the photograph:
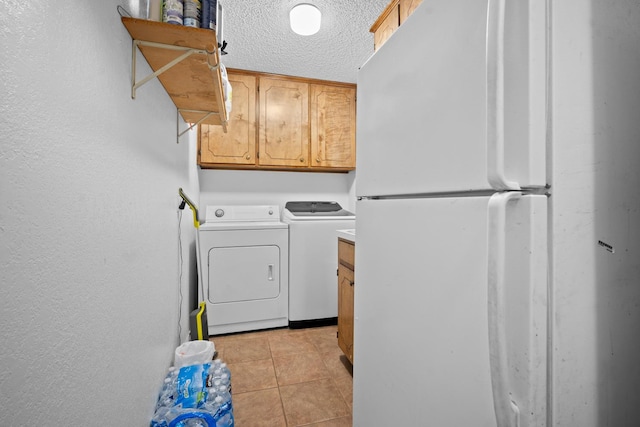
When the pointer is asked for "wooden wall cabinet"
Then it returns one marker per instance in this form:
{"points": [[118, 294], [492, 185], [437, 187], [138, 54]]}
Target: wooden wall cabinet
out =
{"points": [[394, 15], [346, 284], [284, 123], [333, 130], [386, 24], [407, 7], [238, 145]]}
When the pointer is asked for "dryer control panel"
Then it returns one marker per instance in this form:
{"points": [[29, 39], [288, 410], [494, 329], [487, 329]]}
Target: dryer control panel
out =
{"points": [[242, 213]]}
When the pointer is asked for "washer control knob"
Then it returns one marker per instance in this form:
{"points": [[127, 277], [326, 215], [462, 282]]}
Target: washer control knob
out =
{"points": [[219, 213], [270, 211]]}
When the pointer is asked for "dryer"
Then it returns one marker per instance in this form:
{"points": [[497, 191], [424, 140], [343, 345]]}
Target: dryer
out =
{"points": [[244, 256]]}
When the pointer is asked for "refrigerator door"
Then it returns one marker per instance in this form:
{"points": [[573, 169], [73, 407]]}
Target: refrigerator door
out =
{"points": [[450, 312], [455, 101]]}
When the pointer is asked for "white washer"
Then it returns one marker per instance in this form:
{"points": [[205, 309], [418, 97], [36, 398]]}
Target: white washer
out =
{"points": [[313, 260], [244, 254]]}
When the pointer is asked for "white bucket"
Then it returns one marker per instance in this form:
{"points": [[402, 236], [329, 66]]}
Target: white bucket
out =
{"points": [[194, 353]]}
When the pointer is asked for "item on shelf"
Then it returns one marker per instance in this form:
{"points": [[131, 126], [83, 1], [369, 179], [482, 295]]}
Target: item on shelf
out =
{"points": [[217, 18], [227, 88], [172, 12], [155, 10], [192, 12], [208, 14]]}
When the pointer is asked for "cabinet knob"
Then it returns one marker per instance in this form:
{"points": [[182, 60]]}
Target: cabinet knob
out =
{"points": [[301, 160], [351, 283], [248, 157], [317, 159]]}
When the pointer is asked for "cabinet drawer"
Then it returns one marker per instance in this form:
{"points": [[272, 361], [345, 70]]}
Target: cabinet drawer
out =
{"points": [[346, 253]]}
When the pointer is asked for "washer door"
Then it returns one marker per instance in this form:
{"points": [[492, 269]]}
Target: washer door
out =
{"points": [[243, 273]]}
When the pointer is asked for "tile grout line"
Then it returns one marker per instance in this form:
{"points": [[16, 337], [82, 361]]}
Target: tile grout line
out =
{"points": [[319, 343], [275, 374]]}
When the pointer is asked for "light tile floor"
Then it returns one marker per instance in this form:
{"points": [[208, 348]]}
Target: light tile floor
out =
{"points": [[288, 377]]}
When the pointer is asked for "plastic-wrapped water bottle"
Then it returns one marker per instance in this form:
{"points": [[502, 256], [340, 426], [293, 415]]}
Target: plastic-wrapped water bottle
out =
{"points": [[168, 390], [192, 386], [183, 417], [172, 374], [225, 368], [195, 396], [221, 372], [226, 371], [219, 364], [220, 405], [224, 414], [160, 417], [193, 422], [212, 405], [226, 381]]}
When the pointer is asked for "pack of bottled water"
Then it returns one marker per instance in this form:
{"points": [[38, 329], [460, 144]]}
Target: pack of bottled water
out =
{"points": [[195, 396]]}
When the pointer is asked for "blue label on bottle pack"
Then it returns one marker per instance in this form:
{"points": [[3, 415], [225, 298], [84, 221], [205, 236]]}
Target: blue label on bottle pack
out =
{"points": [[192, 386]]}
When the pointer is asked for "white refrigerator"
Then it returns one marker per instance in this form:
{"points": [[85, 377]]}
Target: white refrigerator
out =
{"points": [[497, 271]]}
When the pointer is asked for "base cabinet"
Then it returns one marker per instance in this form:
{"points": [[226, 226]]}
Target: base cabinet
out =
{"points": [[346, 284]]}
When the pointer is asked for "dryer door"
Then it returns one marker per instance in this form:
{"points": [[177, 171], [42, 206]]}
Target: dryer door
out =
{"points": [[243, 273]]}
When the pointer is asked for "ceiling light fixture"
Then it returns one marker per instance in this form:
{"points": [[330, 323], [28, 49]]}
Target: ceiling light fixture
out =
{"points": [[305, 19]]}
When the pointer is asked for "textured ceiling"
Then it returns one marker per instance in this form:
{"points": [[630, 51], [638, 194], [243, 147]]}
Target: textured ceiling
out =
{"points": [[259, 38]]}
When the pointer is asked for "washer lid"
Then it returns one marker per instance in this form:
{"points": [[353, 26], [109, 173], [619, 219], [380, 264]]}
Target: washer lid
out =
{"points": [[317, 209]]}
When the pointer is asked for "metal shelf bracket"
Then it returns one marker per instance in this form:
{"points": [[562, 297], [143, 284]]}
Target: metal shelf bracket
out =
{"points": [[135, 84], [187, 52], [206, 115]]}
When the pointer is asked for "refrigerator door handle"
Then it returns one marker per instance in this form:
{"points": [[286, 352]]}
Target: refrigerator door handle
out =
{"points": [[495, 98], [506, 410]]}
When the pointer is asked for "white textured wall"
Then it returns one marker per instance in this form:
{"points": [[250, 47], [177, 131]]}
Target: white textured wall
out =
{"points": [[268, 187], [88, 220]]}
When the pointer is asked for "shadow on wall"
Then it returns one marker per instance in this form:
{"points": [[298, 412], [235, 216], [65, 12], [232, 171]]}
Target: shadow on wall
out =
{"points": [[266, 187], [616, 67]]}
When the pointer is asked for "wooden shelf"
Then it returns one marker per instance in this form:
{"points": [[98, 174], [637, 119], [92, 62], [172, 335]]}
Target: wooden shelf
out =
{"points": [[194, 83]]}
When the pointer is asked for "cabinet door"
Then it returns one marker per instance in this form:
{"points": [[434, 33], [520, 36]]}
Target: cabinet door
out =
{"points": [[345, 311], [407, 7], [284, 123], [333, 121], [238, 145], [388, 25]]}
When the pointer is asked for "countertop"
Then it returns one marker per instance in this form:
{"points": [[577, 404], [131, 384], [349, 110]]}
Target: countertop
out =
{"points": [[349, 235]]}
